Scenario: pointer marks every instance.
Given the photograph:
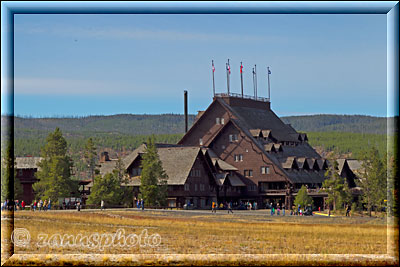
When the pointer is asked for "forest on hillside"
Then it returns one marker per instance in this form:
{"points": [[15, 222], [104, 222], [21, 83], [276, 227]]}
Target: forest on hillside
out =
{"points": [[121, 134]]}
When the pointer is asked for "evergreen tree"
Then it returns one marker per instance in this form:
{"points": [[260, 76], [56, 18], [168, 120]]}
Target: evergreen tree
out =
{"points": [[106, 188], [336, 187], [121, 175], [303, 198], [55, 169], [153, 181], [90, 156], [374, 180]]}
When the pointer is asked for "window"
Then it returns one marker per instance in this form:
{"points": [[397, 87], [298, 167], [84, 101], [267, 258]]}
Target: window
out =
{"points": [[222, 121], [195, 173], [223, 147], [211, 188], [248, 173], [264, 170], [201, 187], [228, 189], [238, 157], [187, 188], [252, 188], [20, 173], [195, 187], [136, 171], [217, 121], [231, 138], [201, 141]]}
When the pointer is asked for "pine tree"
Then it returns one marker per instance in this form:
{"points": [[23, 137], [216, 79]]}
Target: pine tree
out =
{"points": [[374, 180], [121, 175], [55, 169], [90, 156], [107, 188], [153, 181], [303, 198], [336, 187]]}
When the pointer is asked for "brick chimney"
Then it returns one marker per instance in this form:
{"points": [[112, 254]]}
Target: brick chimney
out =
{"points": [[104, 157]]}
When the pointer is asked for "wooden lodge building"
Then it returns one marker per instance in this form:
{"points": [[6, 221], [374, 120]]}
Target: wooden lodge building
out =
{"points": [[237, 150]]}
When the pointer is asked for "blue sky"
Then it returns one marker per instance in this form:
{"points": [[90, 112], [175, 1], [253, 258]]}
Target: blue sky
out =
{"points": [[78, 65]]}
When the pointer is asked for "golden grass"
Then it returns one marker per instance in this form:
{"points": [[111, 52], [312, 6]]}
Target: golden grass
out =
{"points": [[205, 234]]}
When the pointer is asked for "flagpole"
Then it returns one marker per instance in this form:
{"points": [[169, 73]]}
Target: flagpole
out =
{"points": [[255, 73], [269, 88], [213, 69], [229, 77], [254, 84], [241, 76]]}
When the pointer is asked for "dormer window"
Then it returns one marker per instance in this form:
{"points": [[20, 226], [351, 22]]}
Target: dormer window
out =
{"points": [[218, 121], [222, 121], [201, 141]]}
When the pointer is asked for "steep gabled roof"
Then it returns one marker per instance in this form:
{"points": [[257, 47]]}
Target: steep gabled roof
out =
{"points": [[27, 162], [177, 162], [254, 118]]}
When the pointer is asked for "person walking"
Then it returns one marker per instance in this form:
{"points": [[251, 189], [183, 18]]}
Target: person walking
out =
{"points": [[34, 205], [78, 206], [49, 204], [40, 205], [23, 205], [283, 209], [348, 210], [213, 207], [142, 203], [102, 204], [278, 211], [45, 205], [230, 207]]}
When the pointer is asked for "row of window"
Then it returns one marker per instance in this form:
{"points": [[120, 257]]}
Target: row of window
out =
{"points": [[263, 170], [196, 187], [195, 173]]}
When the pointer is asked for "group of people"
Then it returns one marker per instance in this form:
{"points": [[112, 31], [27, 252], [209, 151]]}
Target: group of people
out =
{"points": [[140, 204], [13, 205], [222, 206], [277, 209], [41, 205]]}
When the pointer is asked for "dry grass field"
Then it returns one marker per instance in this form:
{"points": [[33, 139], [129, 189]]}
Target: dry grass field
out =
{"points": [[114, 232]]}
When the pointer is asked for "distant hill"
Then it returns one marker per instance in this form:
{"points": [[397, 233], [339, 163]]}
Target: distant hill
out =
{"points": [[118, 124], [120, 134], [338, 123]]}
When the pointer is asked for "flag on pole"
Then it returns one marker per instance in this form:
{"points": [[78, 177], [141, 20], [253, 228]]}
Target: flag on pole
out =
{"points": [[213, 68], [269, 72], [241, 68], [229, 69]]}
